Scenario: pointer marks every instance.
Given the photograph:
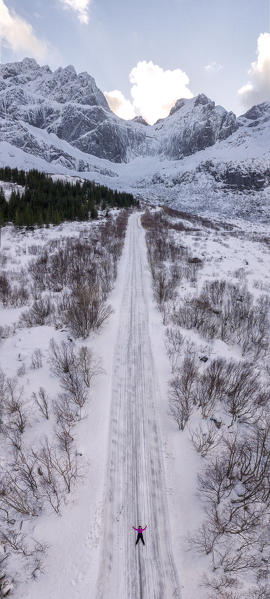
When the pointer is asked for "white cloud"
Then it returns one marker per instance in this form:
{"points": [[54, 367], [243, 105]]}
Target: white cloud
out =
{"points": [[18, 34], [213, 67], [80, 7], [153, 90], [258, 88], [120, 105]]}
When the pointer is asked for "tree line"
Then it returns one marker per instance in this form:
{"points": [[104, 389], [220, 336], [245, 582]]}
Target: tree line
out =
{"points": [[45, 201]]}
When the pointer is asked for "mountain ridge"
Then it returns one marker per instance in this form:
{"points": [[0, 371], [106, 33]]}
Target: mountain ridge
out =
{"points": [[62, 119]]}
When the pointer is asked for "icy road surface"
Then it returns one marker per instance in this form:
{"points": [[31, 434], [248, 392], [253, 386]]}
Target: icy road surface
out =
{"points": [[135, 493]]}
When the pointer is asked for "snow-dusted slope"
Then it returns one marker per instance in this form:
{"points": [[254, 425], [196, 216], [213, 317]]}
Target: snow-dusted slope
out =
{"points": [[72, 107], [64, 103], [194, 125], [200, 157]]}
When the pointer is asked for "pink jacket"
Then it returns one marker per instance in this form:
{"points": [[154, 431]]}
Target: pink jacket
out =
{"points": [[139, 530]]}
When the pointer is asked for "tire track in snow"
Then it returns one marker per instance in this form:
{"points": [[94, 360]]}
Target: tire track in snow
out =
{"points": [[135, 489]]}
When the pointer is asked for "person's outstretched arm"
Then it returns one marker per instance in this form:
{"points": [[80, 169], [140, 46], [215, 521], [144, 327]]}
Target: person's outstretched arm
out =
{"points": [[144, 527], [135, 528]]}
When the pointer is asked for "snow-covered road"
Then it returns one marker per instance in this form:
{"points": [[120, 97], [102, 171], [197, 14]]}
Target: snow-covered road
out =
{"points": [[135, 488]]}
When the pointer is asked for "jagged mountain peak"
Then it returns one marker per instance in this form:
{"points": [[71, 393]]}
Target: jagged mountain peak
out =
{"points": [[71, 106], [257, 111], [62, 85], [191, 103], [203, 100], [194, 124], [256, 117]]}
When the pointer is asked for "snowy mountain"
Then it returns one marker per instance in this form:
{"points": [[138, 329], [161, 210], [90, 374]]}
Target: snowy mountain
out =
{"points": [[199, 156], [72, 107]]}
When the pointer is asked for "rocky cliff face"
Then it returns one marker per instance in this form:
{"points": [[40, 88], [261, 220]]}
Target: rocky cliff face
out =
{"points": [[64, 103], [72, 107], [193, 125]]}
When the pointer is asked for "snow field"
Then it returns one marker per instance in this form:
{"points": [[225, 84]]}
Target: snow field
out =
{"points": [[72, 538], [240, 257]]}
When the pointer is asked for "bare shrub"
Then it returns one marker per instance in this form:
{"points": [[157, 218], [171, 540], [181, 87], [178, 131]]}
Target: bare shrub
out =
{"points": [[13, 496], [19, 296], [22, 370], [5, 289], [86, 311], [57, 473], [228, 311], [66, 412], [216, 480], [233, 561], [261, 591], [210, 386], [62, 358], [241, 388], [57, 272], [89, 365], [164, 285], [14, 437], [64, 437], [34, 249], [204, 539], [6, 585], [70, 371], [235, 384], [38, 270], [181, 392], [13, 405], [36, 359], [75, 372], [38, 313], [6, 331], [219, 583], [204, 438], [174, 346], [42, 401], [235, 487]]}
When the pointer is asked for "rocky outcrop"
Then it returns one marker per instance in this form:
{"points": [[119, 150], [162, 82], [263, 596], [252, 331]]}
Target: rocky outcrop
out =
{"points": [[67, 104], [194, 125]]}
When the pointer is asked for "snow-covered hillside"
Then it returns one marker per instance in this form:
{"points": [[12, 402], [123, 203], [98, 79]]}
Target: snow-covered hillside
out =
{"points": [[201, 157]]}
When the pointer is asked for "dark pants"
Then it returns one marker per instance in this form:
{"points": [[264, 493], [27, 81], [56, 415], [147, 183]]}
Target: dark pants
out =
{"points": [[139, 537]]}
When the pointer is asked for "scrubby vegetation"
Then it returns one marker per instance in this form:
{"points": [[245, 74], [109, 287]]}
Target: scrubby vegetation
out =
{"points": [[67, 282], [45, 201], [64, 284], [220, 400], [36, 478]]}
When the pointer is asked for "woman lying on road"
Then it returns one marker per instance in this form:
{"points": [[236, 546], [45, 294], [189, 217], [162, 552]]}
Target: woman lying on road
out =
{"points": [[140, 535]]}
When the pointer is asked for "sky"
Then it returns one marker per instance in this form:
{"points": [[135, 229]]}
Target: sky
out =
{"points": [[145, 54]]}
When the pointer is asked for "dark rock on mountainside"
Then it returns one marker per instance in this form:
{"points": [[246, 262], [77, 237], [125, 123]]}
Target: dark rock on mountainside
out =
{"points": [[64, 103], [241, 175], [71, 106], [194, 125]]}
